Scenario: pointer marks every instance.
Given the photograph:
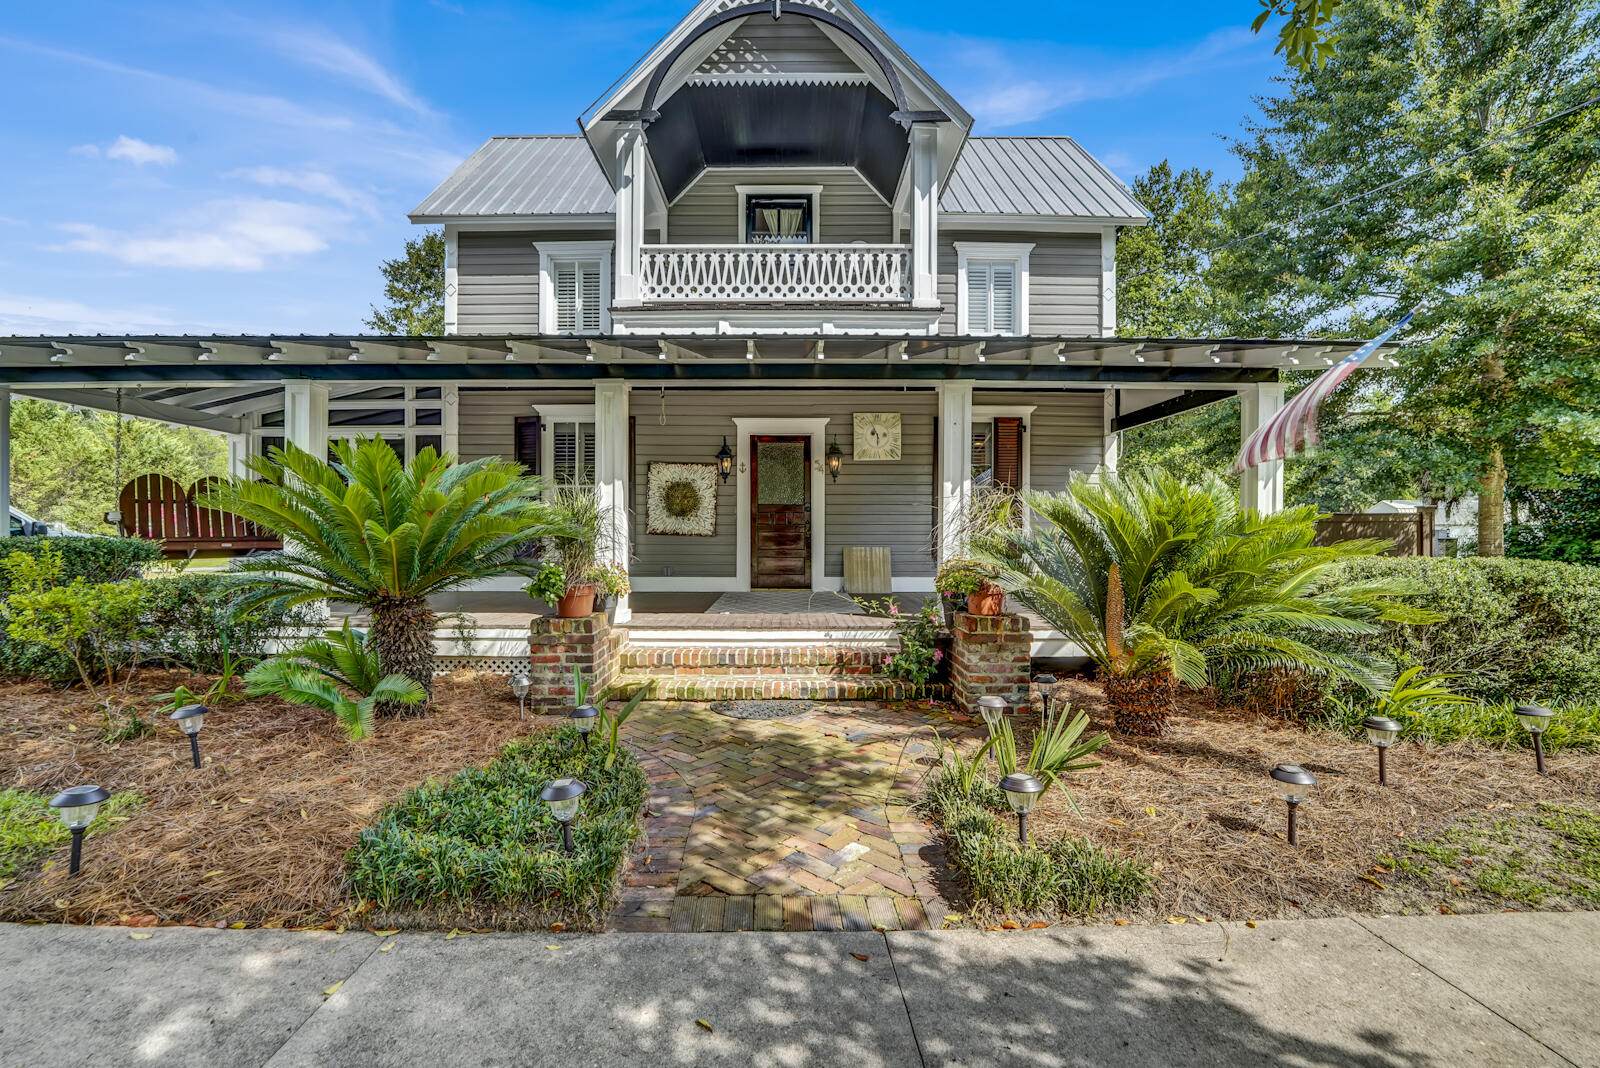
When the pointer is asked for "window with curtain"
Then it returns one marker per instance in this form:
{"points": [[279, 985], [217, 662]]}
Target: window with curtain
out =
{"points": [[992, 297], [997, 453], [577, 296], [572, 449], [778, 220]]}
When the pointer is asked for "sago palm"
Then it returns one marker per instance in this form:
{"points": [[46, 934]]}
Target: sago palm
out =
{"points": [[1161, 583], [367, 530]]}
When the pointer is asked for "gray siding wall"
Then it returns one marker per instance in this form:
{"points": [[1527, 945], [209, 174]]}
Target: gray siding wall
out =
{"points": [[1063, 280], [497, 275], [1067, 431], [871, 504], [486, 419], [708, 212]]}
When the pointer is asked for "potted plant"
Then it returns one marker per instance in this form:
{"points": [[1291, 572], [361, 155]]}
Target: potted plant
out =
{"points": [[612, 582], [575, 552], [960, 578]]}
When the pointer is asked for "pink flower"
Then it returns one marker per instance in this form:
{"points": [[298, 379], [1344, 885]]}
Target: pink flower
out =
{"points": [[885, 658], [894, 610], [938, 655]]}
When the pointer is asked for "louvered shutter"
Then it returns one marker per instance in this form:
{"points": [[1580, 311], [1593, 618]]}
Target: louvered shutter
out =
{"points": [[566, 298], [589, 298], [1008, 452], [978, 300], [1003, 298], [527, 442]]}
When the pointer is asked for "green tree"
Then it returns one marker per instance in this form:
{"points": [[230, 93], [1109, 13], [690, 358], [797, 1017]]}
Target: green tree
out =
{"points": [[1162, 288], [413, 289], [1306, 36], [63, 460], [366, 531], [1445, 156]]}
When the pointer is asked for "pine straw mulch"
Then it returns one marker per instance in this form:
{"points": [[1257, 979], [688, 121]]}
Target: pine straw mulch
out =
{"points": [[1197, 804], [254, 837]]}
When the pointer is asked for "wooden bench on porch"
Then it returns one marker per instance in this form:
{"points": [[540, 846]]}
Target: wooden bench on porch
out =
{"points": [[156, 508]]}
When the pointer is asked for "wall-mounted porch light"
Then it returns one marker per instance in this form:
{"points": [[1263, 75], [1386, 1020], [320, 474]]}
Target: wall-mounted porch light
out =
{"points": [[835, 459], [724, 460]]}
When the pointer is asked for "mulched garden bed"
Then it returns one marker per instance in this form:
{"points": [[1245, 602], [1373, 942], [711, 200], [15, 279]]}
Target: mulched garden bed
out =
{"points": [[257, 836], [1198, 806]]}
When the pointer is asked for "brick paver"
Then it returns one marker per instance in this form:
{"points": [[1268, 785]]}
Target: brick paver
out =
{"points": [[795, 824]]}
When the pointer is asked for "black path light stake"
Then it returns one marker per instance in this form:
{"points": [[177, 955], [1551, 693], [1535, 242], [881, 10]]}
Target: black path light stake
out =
{"points": [[1382, 732], [77, 807], [1536, 718], [583, 718], [1298, 783], [190, 718], [519, 686], [1046, 683], [562, 796], [1023, 791]]}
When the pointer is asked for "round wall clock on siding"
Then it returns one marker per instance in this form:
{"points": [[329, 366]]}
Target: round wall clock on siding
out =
{"points": [[877, 435]]}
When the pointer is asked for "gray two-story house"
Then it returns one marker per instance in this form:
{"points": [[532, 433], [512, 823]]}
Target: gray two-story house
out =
{"points": [[772, 300]]}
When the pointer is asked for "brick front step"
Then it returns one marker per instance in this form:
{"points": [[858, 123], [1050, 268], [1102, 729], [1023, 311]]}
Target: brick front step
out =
{"points": [[741, 659], [754, 687]]}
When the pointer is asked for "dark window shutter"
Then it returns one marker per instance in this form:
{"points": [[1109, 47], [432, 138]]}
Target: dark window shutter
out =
{"points": [[527, 442], [1008, 453]]}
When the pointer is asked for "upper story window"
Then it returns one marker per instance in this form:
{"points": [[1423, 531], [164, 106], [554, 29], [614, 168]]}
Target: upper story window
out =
{"points": [[574, 287], [992, 288], [777, 221]]}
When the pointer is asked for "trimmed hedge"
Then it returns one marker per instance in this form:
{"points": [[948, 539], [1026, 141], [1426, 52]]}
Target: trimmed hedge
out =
{"points": [[92, 559], [1515, 630]]}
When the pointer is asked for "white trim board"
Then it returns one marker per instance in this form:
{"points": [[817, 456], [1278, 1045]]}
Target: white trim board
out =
{"points": [[1018, 255], [990, 412], [745, 192], [816, 429], [550, 251]]}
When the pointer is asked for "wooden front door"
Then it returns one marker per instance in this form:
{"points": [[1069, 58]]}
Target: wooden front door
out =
{"points": [[780, 523]]}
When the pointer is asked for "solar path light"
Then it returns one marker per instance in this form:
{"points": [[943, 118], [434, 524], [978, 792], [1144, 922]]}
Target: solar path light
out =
{"points": [[1382, 732], [583, 717], [1295, 787], [190, 718], [562, 796], [77, 807], [519, 686], [1022, 791], [1536, 718], [1046, 683]]}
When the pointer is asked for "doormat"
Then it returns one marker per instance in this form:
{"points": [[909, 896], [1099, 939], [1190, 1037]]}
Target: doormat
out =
{"points": [[761, 709]]}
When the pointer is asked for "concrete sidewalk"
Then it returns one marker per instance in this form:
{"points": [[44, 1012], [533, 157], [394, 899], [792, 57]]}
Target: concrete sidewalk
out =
{"points": [[1503, 989]]}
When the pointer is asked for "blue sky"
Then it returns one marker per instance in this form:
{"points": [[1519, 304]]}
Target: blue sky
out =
{"points": [[243, 167]]}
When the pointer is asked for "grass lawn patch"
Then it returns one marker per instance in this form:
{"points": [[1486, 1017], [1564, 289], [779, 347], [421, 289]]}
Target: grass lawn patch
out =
{"points": [[1544, 856], [256, 836], [482, 847], [1576, 726], [30, 829]]}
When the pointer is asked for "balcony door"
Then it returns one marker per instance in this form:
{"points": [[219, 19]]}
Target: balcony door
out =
{"points": [[780, 512]]}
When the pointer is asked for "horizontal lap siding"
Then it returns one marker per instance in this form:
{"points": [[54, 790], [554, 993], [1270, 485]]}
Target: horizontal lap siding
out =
{"points": [[871, 504], [497, 279], [1063, 280], [708, 213], [1066, 432], [487, 417]]}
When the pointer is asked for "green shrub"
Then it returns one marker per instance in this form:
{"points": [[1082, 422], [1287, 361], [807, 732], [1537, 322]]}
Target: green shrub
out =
{"points": [[30, 828], [484, 837], [1516, 630], [95, 560], [97, 626], [322, 673], [199, 621], [1092, 879]]}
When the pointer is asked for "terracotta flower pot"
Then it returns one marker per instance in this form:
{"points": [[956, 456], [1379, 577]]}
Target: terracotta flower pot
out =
{"points": [[578, 602], [986, 602]]}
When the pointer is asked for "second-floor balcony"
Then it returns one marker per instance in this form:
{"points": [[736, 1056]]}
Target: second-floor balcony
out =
{"points": [[777, 273]]}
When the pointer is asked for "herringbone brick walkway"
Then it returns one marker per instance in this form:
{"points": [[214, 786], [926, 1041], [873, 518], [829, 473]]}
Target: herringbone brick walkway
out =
{"points": [[803, 823]]}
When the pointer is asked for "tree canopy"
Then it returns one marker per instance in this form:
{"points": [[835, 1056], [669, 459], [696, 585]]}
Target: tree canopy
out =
{"points": [[413, 289]]}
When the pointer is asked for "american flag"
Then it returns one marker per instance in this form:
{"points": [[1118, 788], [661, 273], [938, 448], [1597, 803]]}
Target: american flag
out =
{"points": [[1294, 429]]}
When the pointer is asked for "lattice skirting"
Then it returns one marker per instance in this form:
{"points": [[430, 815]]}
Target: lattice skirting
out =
{"points": [[500, 665]]}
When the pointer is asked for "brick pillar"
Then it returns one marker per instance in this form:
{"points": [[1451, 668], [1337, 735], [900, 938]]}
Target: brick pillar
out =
{"points": [[989, 655], [556, 646]]}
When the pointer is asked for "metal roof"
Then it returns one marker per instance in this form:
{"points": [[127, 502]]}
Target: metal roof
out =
{"points": [[544, 175], [1036, 176], [558, 175]]}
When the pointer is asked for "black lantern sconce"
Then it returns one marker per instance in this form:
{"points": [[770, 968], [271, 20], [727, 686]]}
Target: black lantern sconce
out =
{"points": [[77, 808], [835, 460], [725, 460]]}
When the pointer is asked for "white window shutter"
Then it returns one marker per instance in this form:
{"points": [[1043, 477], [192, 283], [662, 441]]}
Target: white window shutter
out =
{"points": [[589, 298], [566, 298], [1003, 297], [978, 298]]}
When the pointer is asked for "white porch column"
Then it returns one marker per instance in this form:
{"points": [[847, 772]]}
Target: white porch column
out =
{"points": [[632, 167], [1261, 487], [925, 214], [955, 466], [5, 457], [1111, 452], [611, 472], [238, 455], [305, 415]]}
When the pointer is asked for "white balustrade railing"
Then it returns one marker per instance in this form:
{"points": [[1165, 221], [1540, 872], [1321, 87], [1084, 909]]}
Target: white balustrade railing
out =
{"points": [[774, 273]]}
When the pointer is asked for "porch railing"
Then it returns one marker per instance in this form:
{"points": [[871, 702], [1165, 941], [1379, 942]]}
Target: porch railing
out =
{"points": [[775, 273]]}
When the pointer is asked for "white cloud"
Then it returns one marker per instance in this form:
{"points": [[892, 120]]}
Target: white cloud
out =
{"points": [[316, 47], [140, 152], [317, 183], [240, 234], [92, 151]]}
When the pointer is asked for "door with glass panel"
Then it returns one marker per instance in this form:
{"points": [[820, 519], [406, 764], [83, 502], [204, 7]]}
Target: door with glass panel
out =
{"points": [[780, 506]]}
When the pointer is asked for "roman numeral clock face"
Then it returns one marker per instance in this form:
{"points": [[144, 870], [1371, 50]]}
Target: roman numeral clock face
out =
{"points": [[877, 435]]}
